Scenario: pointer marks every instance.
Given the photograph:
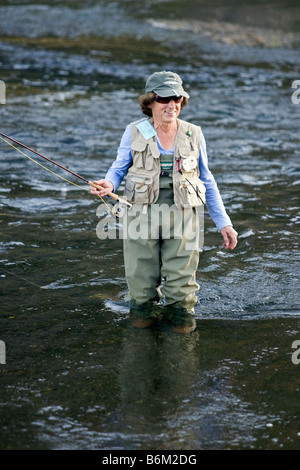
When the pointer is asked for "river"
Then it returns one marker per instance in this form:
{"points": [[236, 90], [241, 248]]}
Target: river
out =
{"points": [[77, 373]]}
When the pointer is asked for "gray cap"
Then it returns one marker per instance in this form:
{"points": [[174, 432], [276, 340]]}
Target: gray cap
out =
{"points": [[165, 84]]}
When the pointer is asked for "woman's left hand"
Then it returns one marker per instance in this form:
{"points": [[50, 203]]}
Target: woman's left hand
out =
{"points": [[230, 237]]}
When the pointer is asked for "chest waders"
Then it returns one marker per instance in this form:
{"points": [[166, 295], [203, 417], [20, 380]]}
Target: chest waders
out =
{"points": [[161, 247]]}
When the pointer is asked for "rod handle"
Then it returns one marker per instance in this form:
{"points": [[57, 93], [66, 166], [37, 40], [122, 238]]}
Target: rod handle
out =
{"points": [[114, 196]]}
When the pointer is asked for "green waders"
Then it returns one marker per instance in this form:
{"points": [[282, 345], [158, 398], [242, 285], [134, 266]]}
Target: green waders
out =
{"points": [[161, 249]]}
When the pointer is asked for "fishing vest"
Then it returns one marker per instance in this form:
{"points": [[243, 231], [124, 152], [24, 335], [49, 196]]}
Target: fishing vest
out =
{"points": [[146, 176]]}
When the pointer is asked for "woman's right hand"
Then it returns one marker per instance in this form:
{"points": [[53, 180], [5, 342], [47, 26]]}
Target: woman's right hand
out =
{"points": [[106, 185]]}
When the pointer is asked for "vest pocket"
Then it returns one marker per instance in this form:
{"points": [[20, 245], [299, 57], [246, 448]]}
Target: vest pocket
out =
{"points": [[129, 190], [138, 189], [191, 192], [141, 193], [141, 155]]}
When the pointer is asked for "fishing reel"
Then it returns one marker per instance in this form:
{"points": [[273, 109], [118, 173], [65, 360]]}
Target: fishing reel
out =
{"points": [[119, 209]]}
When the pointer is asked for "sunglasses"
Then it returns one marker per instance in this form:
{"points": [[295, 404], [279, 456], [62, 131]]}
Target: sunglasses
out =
{"points": [[167, 99]]}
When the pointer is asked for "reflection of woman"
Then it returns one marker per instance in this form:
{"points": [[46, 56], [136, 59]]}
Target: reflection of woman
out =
{"points": [[164, 160]]}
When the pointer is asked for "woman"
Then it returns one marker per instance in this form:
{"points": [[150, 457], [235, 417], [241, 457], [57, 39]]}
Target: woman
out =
{"points": [[165, 164]]}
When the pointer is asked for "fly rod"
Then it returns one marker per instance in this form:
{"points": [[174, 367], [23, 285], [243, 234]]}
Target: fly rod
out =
{"points": [[114, 196]]}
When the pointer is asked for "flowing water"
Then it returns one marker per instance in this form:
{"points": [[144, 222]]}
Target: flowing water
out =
{"points": [[78, 374]]}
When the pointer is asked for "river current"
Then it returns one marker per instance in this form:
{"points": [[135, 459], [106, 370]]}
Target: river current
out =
{"points": [[75, 372]]}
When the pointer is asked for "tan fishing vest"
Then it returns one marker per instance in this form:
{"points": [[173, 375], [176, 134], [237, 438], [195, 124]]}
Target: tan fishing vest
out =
{"points": [[143, 178]]}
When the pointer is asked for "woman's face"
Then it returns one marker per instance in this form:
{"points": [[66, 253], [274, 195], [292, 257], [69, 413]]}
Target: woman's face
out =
{"points": [[165, 113]]}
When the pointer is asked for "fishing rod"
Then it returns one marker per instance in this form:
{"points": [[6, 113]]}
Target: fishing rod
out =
{"points": [[113, 196]]}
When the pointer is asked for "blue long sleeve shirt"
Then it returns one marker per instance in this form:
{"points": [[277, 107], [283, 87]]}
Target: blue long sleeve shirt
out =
{"points": [[214, 201]]}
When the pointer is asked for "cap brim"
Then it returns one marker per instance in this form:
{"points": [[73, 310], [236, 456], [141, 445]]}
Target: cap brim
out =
{"points": [[169, 91]]}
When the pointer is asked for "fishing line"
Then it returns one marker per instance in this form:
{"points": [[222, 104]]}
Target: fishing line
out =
{"points": [[53, 172], [195, 189], [59, 176], [23, 279]]}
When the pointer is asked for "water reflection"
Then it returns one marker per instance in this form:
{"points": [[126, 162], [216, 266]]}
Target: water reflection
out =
{"points": [[156, 373]]}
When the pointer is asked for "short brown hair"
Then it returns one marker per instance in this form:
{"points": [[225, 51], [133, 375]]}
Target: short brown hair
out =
{"points": [[148, 98]]}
